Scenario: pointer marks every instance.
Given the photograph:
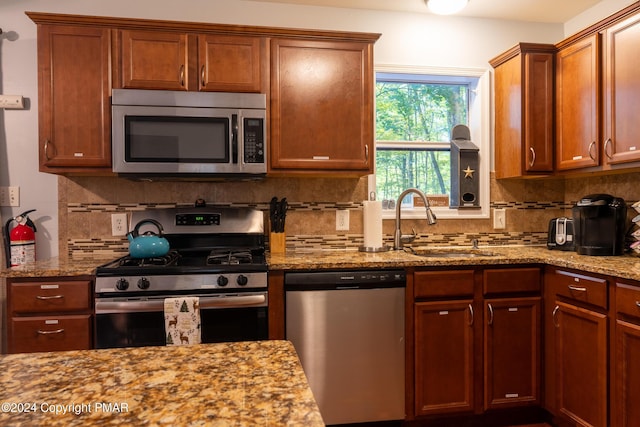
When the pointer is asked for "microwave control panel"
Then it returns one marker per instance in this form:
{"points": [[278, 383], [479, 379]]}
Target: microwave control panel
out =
{"points": [[253, 140]]}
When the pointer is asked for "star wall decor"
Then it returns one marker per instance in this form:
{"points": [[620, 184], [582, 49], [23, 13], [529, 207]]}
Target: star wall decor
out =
{"points": [[468, 172]]}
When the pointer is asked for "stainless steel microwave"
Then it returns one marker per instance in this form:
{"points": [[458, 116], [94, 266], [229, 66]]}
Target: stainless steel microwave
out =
{"points": [[159, 133]]}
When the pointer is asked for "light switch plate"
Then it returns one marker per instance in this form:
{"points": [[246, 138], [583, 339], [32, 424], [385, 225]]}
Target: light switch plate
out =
{"points": [[499, 219], [9, 196], [342, 220]]}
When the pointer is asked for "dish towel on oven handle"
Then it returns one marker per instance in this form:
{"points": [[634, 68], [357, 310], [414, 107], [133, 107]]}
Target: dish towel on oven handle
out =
{"points": [[182, 320]]}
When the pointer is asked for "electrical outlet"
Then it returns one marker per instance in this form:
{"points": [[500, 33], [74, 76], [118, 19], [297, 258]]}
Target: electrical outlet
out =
{"points": [[11, 101], [9, 196], [499, 219], [342, 220], [119, 224]]}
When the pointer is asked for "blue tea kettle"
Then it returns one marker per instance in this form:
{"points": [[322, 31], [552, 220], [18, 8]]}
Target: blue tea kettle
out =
{"points": [[148, 244]]}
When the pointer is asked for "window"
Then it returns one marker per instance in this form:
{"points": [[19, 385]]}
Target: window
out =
{"points": [[415, 112]]}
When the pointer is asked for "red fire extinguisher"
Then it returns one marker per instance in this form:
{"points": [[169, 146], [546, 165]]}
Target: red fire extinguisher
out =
{"points": [[20, 241]]}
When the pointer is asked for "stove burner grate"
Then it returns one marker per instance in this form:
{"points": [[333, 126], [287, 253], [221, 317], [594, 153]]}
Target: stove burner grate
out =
{"points": [[229, 257], [170, 258]]}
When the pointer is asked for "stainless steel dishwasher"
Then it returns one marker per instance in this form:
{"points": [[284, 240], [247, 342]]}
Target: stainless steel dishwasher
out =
{"points": [[348, 330]]}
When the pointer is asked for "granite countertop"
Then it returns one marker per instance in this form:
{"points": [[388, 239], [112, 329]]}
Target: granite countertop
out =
{"points": [[229, 384], [56, 267], [626, 266]]}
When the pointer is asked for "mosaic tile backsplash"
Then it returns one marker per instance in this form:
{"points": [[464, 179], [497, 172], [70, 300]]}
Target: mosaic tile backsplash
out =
{"points": [[86, 205]]}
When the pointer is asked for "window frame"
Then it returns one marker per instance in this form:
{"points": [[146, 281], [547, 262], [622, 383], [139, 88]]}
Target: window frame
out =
{"points": [[480, 127]]}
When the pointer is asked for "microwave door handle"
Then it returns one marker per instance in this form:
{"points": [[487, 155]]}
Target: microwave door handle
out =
{"points": [[234, 138]]}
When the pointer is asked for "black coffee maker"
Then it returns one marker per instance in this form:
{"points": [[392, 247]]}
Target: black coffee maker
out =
{"points": [[600, 224]]}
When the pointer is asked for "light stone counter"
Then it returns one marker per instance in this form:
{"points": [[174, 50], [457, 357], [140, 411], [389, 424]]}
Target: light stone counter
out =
{"points": [[230, 384], [626, 266]]}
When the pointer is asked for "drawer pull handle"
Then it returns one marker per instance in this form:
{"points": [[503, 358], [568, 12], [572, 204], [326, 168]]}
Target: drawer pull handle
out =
{"points": [[577, 288], [472, 315], [47, 297], [57, 331], [638, 304], [490, 314], [554, 315]]}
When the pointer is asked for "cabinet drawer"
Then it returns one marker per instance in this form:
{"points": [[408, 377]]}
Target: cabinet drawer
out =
{"points": [[51, 296], [443, 283], [512, 280], [628, 299], [591, 290], [55, 333]]}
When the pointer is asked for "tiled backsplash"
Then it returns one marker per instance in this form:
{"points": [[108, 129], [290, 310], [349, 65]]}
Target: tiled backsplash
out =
{"points": [[86, 205]]}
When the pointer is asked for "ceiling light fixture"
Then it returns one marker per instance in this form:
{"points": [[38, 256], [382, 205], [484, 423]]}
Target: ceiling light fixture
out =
{"points": [[446, 7]]}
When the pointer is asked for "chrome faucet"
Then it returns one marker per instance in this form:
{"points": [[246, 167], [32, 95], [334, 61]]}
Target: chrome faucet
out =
{"points": [[399, 239]]}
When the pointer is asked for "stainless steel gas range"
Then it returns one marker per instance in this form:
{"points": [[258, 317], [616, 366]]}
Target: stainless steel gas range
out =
{"points": [[217, 255]]}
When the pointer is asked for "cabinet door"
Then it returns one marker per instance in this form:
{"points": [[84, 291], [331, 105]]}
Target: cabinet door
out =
{"points": [[229, 63], [74, 83], [622, 92], [627, 382], [512, 352], [581, 364], [154, 60], [577, 100], [444, 372], [321, 106], [524, 111]]}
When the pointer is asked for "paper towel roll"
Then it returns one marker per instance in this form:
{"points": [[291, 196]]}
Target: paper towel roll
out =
{"points": [[372, 214]]}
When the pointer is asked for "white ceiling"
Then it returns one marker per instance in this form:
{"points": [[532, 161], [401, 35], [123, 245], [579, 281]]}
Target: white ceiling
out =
{"points": [[549, 11]]}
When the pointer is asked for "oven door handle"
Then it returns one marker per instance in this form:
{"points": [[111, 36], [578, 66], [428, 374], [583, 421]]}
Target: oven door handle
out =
{"points": [[157, 304]]}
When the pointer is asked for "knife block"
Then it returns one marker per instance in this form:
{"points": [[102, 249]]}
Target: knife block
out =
{"points": [[277, 243]]}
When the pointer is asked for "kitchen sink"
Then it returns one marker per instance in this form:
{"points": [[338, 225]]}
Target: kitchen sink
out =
{"points": [[450, 253]]}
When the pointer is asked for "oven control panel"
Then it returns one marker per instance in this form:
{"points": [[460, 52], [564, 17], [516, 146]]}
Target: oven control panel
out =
{"points": [[198, 219], [182, 282]]}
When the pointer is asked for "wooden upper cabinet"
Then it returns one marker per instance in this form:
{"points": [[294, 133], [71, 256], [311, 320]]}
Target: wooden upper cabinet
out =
{"points": [[621, 92], [524, 78], [230, 63], [154, 60], [321, 106], [577, 104], [180, 61], [74, 85]]}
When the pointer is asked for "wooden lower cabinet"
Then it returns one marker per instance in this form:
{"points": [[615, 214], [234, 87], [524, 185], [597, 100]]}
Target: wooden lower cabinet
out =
{"points": [[444, 357], [581, 364], [626, 383], [49, 314], [512, 352], [469, 360]]}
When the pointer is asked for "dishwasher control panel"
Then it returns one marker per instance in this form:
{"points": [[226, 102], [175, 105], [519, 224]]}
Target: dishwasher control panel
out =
{"points": [[346, 278]]}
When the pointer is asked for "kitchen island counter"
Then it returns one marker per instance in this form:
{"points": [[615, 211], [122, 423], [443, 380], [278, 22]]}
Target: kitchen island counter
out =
{"points": [[230, 384]]}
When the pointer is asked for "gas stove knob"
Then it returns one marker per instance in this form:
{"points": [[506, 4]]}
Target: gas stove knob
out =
{"points": [[122, 284], [242, 280], [144, 283], [222, 281]]}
